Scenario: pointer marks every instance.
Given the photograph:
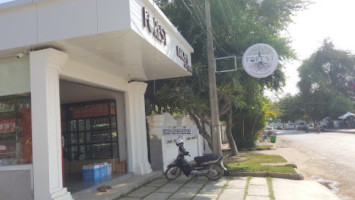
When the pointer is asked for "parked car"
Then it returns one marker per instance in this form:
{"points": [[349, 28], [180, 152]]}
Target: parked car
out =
{"points": [[278, 126], [327, 123], [301, 126], [290, 126]]}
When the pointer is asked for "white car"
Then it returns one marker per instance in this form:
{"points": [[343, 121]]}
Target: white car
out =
{"points": [[290, 126]]}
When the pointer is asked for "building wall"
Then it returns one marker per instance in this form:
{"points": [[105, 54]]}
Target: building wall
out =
{"points": [[16, 184], [163, 149], [43, 21], [14, 76], [33, 26]]}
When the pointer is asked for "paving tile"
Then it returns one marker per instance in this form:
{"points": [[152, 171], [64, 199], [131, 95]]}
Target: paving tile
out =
{"points": [[185, 193], [128, 198], [256, 198], [157, 196], [232, 194], [180, 198], [205, 197], [212, 188], [237, 183], [221, 182], [201, 178], [240, 177], [143, 191], [258, 181], [158, 182], [170, 187], [258, 190], [181, 179], [195, 184]]}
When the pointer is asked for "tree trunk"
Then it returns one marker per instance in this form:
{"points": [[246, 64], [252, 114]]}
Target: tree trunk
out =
{"points": [[201, 125], [243, 127], [232, 145], [252, 128]]}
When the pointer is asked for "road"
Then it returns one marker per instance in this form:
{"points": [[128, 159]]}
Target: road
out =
{"points": [[326, 156]]}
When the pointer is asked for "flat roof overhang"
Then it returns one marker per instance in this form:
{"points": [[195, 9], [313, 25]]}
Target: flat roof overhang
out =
{"points": [[114, 40], [122, 53]]}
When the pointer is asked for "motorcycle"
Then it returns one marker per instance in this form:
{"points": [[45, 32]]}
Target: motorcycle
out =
{"points": [[210, 166]]}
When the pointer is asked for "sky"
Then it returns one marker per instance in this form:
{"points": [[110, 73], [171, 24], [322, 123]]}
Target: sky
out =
{"points": [[323, 19]]}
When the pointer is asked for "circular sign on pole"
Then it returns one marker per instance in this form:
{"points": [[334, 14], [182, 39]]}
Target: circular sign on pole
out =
{"points": [[260, 60]]}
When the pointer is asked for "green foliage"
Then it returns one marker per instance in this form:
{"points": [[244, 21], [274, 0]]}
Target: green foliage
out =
{"points": [[291, 108], [236, 26], [248, 121], [340, 106], [324, 85]]}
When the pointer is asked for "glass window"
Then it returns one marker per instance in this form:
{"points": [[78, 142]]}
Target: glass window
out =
{"points": [[93, 130], [15, 129]]}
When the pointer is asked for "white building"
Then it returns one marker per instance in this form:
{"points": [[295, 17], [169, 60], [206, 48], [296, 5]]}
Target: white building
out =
{"points": [[72, 88]]}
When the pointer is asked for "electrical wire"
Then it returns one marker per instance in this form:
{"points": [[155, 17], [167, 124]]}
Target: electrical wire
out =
{"points": [[201, 16]]}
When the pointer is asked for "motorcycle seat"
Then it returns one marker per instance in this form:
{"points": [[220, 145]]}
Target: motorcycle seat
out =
{"points": [[200, 160]]}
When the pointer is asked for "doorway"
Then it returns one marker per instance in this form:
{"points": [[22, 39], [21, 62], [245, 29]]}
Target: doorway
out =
{"points": [[93, 133]]}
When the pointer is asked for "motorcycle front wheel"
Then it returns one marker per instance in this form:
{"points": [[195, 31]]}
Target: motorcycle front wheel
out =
{"points": [[172, 173], [215, 172]]}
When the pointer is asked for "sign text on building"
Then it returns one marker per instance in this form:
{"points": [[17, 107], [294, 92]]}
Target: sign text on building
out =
{"points": [[184, 57], [153, 26], [180, 131]]}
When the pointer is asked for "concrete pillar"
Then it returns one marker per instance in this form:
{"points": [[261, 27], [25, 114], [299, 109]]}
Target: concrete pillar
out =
{"points": [[155, 126], [45, 66], [136, 129]]}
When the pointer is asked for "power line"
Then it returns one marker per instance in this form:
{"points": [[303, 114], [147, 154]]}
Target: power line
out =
{"points": [[200, 15]]}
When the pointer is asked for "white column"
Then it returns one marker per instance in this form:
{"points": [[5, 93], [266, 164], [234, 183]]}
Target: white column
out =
{"points": [[45, 66], [136, 129]]}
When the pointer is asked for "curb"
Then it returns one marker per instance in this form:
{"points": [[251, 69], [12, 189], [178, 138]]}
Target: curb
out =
{"points": [[297, 176], [256, 149], [341, 131], [250, 149]]}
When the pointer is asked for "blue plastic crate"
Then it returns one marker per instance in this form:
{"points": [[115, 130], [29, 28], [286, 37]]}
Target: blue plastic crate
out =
{"points": [[103, 169], [91, 172]]}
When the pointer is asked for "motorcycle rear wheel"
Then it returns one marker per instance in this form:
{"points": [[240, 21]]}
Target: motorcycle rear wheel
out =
{"points": [[215, 172], [172, 173]]}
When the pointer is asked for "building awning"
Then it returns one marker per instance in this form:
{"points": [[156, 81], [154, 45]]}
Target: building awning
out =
{"points": [[132, 39]]}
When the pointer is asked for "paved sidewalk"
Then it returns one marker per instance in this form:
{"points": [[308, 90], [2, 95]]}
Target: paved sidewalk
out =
{"points": [[231, 188], [342, 130]]}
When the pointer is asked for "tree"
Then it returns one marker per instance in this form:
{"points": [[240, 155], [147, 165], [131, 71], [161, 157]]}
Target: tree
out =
{"points": [[291, 108], [236, 25], [324, 84]]}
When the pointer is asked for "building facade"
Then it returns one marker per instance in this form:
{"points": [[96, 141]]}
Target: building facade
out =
{"points": [[72, 85]]}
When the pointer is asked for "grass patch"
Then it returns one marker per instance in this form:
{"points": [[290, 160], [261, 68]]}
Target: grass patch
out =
{"points": [[246, 188], [251, 162], [271, 190], [263, 147], [223, 188]]}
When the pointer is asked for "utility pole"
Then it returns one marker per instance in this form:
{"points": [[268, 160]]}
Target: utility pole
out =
{"points": [[215, 131]]}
